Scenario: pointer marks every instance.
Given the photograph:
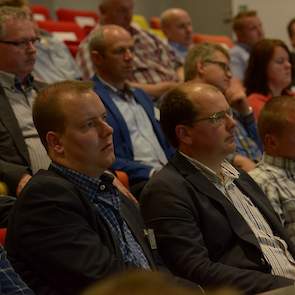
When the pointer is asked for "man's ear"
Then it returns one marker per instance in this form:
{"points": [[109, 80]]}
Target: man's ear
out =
{"points": [[96, 57], [200, 67], [183, 134], [54, 143], [270, 143]]}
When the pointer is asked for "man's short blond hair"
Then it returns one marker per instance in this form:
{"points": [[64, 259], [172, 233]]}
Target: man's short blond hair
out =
{"points": [[238, 20]]}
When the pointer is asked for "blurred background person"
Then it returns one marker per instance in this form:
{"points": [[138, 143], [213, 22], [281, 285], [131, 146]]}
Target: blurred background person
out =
{"points": [[268, 74], [248, 30], [291, 34], [177, 26]]}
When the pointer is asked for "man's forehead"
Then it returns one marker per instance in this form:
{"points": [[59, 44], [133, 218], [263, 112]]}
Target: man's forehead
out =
{"points": [[250, 21], [116, 38]]}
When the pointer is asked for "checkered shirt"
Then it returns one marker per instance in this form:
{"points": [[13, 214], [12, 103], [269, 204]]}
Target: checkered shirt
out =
{"points": [[10, 281], [103, 195], [276, 177], [154, 61]]}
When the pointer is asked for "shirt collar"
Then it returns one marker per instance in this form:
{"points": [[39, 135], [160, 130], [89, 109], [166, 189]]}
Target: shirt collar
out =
{"points": [[97, 189], [228, 172], [127, 89], [11, 81], [283, 163]]}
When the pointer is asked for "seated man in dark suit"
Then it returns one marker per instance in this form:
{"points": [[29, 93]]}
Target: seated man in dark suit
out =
{"points": [[70, 226], [213, 225], [140, 146], [21, 151]]}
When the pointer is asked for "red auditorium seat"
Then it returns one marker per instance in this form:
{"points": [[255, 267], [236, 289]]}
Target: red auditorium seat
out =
{"points": [[84, 18], [68, 32], [40, 13], [2, 236], [221, 39], [155, 22]]}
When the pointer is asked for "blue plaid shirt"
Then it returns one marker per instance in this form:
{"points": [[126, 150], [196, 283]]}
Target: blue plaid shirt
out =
{"points": [[10, 281], [106, 200]]}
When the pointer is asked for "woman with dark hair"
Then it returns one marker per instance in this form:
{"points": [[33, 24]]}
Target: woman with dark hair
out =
{"points": [[268, 73]]}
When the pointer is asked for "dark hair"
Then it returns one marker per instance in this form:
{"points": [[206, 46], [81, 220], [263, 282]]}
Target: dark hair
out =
{"points": [[48, 106], [289, 27], [256, 73], [274, 115], [176, 109]]}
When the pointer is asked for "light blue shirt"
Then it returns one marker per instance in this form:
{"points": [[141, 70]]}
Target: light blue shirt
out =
{"points": [[146, 147], [239, 56], [54, 61]]}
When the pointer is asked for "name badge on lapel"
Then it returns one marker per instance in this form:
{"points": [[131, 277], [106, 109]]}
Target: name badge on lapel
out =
{"points": [[149, 233]]}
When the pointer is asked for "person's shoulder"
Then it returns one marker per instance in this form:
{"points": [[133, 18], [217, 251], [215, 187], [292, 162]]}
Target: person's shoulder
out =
{"points": [[47, 181]]}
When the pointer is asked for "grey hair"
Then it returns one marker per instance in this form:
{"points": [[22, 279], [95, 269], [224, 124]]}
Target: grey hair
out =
{"points": [[7, 13], [200, 52]]}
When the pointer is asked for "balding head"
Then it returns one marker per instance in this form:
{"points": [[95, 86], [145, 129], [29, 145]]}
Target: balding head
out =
{"points": [[177, 26], [197, 120], [180, 106], [117, 12], [111, 50]]}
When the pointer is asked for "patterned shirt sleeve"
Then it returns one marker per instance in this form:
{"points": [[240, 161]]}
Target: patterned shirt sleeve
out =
{"points": [[10, 281]]}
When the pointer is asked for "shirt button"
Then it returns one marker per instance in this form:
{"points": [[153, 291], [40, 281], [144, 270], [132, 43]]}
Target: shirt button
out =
{"points": [[262, 260], [102, 187]]}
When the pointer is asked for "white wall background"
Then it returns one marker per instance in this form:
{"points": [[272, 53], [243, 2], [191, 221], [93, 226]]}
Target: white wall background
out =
{"points": [[274, 14]]}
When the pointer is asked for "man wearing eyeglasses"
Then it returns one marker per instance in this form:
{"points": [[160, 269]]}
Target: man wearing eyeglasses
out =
{"points": [[209, 63], [213, 225], [21, 151]]}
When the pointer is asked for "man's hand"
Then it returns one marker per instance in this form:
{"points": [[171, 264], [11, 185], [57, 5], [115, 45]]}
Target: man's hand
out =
{"points": [[21, 184], [237, 98], [122, 188]]}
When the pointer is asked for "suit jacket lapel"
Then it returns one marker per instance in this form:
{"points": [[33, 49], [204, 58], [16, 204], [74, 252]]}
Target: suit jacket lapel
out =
{"points": [[103, 93], [202, 184]]}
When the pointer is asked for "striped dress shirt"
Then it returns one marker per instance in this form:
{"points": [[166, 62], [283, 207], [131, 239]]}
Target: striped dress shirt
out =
{"points": [[273, 248]]}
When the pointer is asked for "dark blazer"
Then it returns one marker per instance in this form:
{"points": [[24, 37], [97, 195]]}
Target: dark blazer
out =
{"points": [[122, 141], [201, 236], [14, 155], [57, 242]]}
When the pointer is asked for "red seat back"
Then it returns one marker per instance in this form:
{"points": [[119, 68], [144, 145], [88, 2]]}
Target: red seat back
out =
{"points": [[84, 18], [221, 39], [2, 236], [40, 13], [68, 32]]}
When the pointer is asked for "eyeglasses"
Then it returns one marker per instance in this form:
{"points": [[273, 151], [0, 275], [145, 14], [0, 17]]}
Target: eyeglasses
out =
{"points": [[221, 64], [217, 117], [23, 43]]}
